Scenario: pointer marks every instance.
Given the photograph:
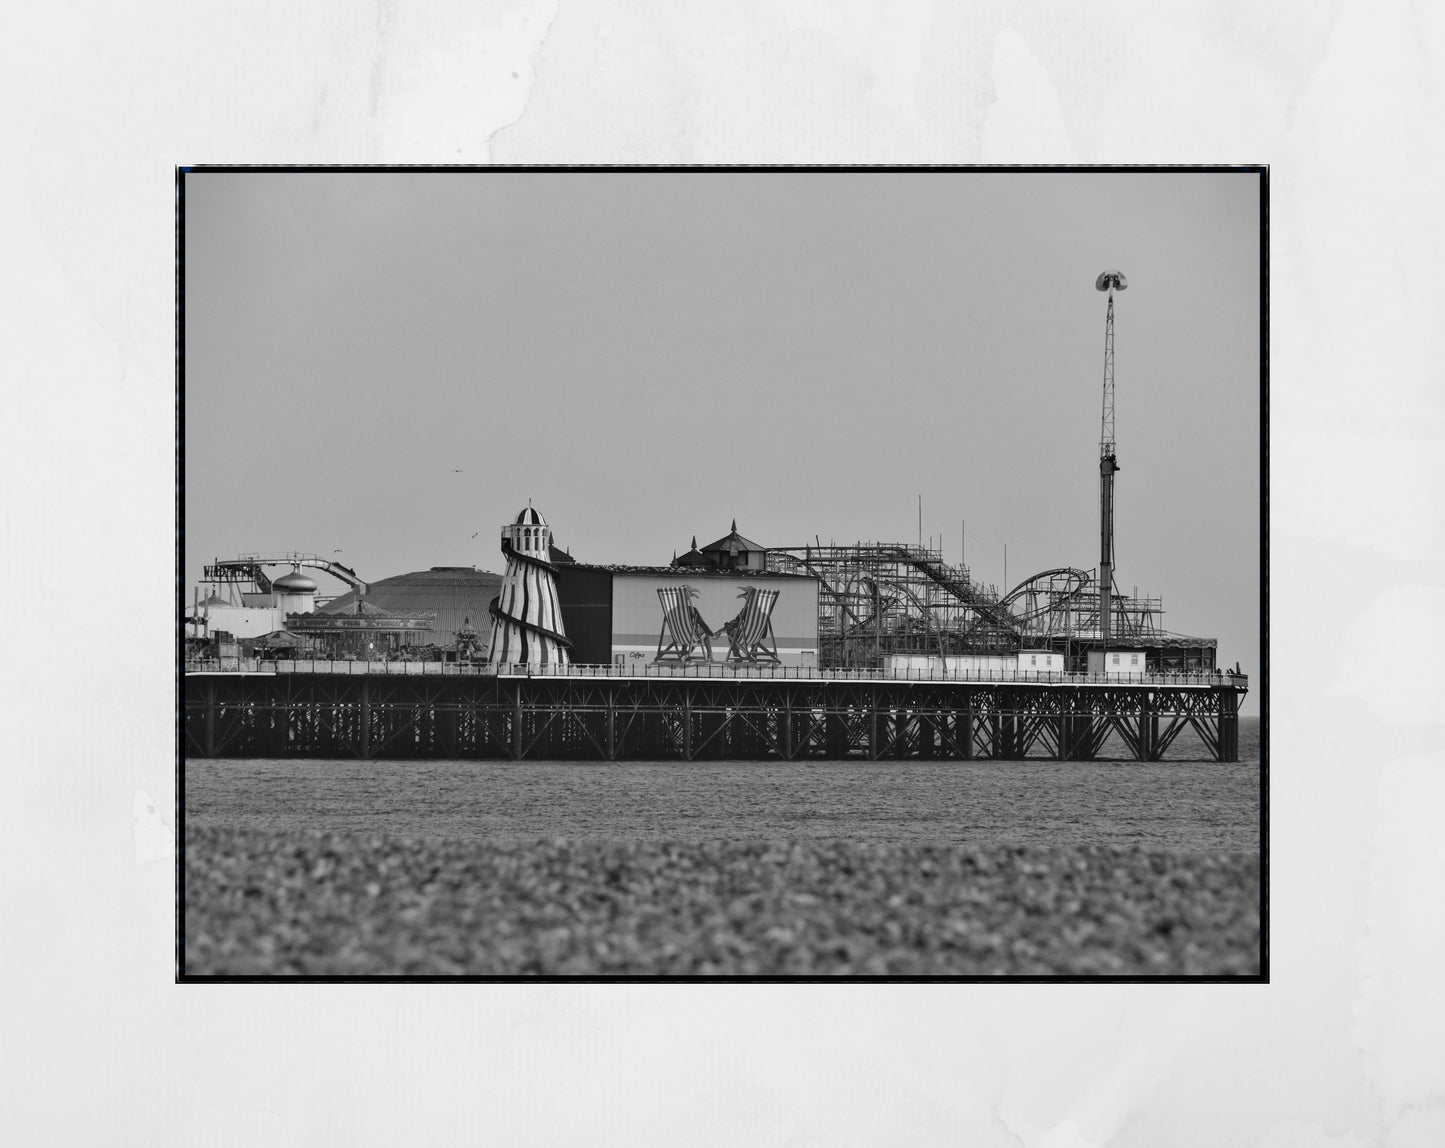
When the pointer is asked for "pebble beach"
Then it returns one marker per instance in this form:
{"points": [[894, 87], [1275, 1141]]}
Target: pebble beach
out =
{"points": [[287, 903]]}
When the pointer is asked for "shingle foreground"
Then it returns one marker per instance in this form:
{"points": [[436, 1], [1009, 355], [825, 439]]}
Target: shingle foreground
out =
{"points": [[311, 904]]}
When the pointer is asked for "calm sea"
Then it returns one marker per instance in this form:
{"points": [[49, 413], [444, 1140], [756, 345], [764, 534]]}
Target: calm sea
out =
{"points": [[1181, 806]]}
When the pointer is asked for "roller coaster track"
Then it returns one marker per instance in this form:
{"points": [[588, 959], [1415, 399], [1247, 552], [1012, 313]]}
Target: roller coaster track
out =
{"points": [[250, 567], [987, 608], [991, 610]]}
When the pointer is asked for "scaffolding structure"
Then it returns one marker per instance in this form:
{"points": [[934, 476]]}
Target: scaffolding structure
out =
{"points": [[877, 599], [882, 598]]}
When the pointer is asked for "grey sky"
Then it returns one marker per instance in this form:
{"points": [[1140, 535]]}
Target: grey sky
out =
{"points": [[648, 356]]}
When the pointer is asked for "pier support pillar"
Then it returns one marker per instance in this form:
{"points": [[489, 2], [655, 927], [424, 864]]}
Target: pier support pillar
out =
{"points": [[1007, 737], [1079, 737], [211, 707], [711, 738], [1228, 723], [446, 718], [365, 732], [279, 723], [897, 734], [517, 720], [1148, 729], [1011, 733]]}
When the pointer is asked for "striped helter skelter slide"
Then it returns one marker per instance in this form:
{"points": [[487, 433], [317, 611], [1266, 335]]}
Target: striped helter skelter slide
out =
{"points": [[684, 634], [527, 624], [749, 633]]}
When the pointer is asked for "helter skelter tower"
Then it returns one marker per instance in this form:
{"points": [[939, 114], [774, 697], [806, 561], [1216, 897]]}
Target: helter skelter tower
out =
{"points": [[1109, 281], [526, 619]]}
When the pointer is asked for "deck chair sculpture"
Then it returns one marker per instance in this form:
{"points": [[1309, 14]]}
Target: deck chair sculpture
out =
{"points": [[750, 634], [684, 637]]}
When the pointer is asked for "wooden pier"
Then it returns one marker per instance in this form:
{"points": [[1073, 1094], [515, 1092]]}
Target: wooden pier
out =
{"points": [[608, 716]]}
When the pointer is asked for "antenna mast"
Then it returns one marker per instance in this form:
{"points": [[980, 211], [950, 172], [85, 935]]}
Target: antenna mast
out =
{"points": [[1109, 281]]}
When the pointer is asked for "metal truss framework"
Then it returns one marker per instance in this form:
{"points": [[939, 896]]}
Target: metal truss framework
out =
{"points": [[880, 598], [249, 569], [611, 719]]}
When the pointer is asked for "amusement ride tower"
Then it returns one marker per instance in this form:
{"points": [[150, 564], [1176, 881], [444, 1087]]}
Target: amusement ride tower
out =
{"points": [[1109, 281], [526, 619]]}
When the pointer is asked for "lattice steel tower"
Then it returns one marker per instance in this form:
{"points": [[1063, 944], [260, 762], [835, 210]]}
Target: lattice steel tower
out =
{"points": [[1109, 281]]}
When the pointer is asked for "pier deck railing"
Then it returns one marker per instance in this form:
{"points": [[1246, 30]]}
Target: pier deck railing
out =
{"points": [[701, 670]]}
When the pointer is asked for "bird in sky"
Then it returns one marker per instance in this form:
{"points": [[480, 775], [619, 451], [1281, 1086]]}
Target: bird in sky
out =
{"points": [[474, 535], [456, 470]]}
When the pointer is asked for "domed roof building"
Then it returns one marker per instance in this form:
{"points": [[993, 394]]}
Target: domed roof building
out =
{"points": [[295, 593], [730, 552], [693, 557], [457, 596], [734, 552], [294, 583]]}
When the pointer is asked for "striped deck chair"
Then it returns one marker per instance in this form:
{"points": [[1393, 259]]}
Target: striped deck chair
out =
{"points": [[750, 634], [684, 636]]}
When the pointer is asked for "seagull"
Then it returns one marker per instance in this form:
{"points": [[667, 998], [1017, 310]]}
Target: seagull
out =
{"points": [[474, 535], [456, 470]]}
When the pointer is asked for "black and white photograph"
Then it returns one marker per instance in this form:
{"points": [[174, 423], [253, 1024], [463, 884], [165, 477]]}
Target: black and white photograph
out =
{"points": [[566, 563], [723, 573]]}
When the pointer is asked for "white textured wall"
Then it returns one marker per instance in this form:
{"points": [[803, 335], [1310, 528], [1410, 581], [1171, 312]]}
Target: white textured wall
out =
{"points": [[243, 621], [1345, 1049]]}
